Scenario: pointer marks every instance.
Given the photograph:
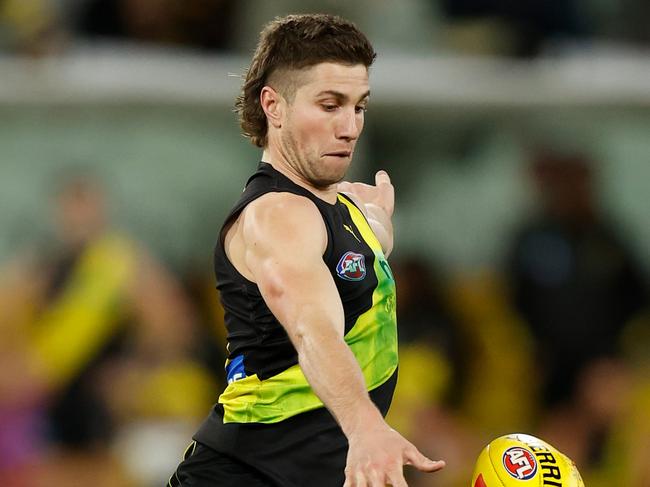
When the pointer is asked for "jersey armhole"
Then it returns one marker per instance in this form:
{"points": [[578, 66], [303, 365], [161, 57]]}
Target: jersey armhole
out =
{"points": [[354, 203], [362, 211]]}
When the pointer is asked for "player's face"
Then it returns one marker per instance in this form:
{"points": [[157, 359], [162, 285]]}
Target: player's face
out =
{"points": [[324, 121]]}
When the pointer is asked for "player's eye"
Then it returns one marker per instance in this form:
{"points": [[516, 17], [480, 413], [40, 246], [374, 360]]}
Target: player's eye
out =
{"points": [[360, 109]]}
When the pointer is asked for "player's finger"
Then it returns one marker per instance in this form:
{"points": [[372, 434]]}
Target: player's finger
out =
{"points": [[386, 192], [375, 479], [360, 479], [419, 461], [382, 177], [396, 478]]}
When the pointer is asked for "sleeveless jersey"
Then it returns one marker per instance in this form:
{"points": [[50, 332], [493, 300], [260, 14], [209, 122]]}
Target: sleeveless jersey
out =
{"points": [[265, 382]]}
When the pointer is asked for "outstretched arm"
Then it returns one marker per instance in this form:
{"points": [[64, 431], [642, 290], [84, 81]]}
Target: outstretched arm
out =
{"points": [[284, 238]]}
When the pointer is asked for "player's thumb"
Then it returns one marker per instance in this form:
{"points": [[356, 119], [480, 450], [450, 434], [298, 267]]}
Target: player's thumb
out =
{"points": [[382, 177], [415, 458]]}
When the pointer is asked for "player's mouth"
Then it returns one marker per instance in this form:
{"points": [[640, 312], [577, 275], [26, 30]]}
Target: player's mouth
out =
{"points": [[343, 154]]}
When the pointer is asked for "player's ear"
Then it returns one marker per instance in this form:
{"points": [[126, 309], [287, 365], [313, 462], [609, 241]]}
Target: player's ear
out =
{"points": [[273, 105]]}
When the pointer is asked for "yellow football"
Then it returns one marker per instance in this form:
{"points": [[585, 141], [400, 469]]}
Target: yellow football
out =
{"points": [[521, 460]]}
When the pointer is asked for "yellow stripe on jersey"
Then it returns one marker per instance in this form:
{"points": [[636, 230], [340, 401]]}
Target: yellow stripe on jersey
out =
{"points": [[372, 339]]}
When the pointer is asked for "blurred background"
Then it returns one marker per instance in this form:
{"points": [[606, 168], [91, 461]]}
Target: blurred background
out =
{"points": [[516, 134]]}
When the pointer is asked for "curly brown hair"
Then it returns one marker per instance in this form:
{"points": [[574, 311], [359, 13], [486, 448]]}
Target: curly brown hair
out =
{"points": [[291, 43]]}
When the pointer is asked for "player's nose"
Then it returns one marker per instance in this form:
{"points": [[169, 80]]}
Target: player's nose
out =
{"points": [[349, 125]]}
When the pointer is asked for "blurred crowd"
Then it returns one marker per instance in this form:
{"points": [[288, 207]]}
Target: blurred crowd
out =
{"points": [[526, 28], [109, 360], [102, 357]]}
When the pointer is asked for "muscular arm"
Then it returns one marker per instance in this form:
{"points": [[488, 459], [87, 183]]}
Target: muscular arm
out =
{"points": [[284, 238]]}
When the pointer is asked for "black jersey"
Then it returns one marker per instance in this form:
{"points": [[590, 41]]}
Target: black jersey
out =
{"points": [[267, 393]]}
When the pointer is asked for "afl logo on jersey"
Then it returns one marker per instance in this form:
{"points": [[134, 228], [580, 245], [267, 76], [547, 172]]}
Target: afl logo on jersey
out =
{"points": [[351, 267], [520, 463]]}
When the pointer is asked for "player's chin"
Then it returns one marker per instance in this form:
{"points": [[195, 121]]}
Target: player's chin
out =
{"points": [[325, 182], [337, 166], [333, 173]]}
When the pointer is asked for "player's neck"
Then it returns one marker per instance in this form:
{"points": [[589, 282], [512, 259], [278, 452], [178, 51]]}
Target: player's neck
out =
{"points": [[281, 165]]}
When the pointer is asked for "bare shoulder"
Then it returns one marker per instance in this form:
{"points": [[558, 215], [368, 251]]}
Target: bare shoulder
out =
{"points": [[284, 219]]}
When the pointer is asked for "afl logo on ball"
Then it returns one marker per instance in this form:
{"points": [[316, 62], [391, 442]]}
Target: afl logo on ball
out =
{"points": [[520, 463], [351, 267]]}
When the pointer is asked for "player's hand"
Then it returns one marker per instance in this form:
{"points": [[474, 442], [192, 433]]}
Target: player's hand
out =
{"points": [[381, 195], [376, 458], [378, 203]]}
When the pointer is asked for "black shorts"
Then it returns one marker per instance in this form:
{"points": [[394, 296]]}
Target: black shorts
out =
{"points": [[295, 453], [204, 467], [307, 449]]}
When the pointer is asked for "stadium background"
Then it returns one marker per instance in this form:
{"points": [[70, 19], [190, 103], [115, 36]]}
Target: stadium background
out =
{"points": [[486, 114]]}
